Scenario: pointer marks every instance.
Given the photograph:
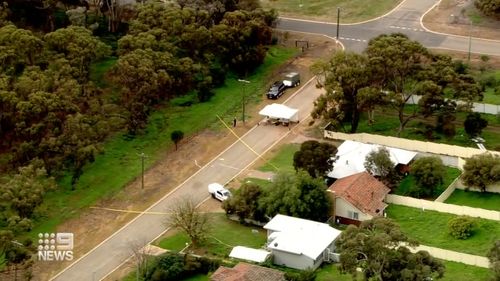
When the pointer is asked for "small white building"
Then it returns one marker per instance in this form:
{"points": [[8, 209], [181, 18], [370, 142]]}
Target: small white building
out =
{"points": [[299, 243], [351, 156]]}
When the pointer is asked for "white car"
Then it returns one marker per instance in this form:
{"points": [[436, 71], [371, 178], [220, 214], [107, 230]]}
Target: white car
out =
{"points": [[218, 191]]}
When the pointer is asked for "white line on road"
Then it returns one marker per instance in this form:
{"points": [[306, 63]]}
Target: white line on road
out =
{"points": [[230, 167]]}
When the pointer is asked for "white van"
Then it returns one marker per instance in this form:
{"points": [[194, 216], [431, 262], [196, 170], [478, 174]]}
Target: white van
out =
{"points": [[218, 191]]}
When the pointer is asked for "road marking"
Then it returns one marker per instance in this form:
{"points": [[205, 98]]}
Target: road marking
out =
{"points": [[407, 28], [230, 167], [352, 39]]}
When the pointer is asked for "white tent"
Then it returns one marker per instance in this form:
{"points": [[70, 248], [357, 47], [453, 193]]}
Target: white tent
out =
{"points": [[280, 111]]}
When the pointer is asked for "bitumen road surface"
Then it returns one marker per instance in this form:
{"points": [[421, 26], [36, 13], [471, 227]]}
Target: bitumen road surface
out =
{"points": [[405, 19], [103, 259]]}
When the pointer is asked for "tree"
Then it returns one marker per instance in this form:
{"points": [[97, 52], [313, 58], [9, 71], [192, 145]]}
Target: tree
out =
{"points": [[494, 257], [245, 202], [185, 217], [488, 7], [298, 195], [404, 68], [379, 163], [376, 247], [349, 90], [314, 157], [461, 227], [429, 173], [481, 170], [26, 189], [474, 124], [176, 136]]}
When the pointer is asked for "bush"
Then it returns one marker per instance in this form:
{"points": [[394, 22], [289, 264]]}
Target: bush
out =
{"points": [[461, 227]]}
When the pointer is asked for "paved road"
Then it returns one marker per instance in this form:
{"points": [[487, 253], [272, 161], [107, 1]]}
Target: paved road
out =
{"points": [[404, 19], [116, 249]]}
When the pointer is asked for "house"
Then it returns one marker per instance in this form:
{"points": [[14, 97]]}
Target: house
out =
{"points": [[247, 272], [300, 243], [351, 155], [358, 197]]}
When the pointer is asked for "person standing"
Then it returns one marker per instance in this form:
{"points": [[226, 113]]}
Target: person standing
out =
{"points": [[234, 122]]}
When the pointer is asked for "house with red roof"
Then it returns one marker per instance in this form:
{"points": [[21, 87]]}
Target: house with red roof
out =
{"points": [[357, 198], [247, 272]]}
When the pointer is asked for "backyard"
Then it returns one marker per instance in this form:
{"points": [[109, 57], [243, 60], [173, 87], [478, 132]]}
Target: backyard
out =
{"points": [[431, 228], [326, 10], [223, 236], [484, 200], [406, 185]]}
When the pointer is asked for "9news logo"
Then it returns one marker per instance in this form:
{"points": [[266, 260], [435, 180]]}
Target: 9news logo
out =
{"points": [[55, 246]]}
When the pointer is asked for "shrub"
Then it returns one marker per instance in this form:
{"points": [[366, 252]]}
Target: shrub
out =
{"points": [[461, 227]]}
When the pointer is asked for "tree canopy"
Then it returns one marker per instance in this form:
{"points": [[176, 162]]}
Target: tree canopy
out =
{"points": [[494, 258], [429, 173], [481, 170], [314, 157], [390, 72], [489, 7], [376, 247]]}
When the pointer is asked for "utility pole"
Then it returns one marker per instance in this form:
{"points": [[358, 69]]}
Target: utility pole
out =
{"points": [[470, 42], [338, 22], [243, 98], [142, 155]]}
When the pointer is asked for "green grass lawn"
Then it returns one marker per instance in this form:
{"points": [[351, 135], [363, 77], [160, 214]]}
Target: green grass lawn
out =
{"points": [[408, 182], [386, 124], [489, 94], [120, 164], [454, 272], [484, 200], [326, 10], [99, 69], [283, 159], [224, 235], [431, 228]]}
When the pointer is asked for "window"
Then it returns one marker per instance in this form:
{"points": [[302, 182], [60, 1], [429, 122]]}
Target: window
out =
{"points": [[355, 216]]}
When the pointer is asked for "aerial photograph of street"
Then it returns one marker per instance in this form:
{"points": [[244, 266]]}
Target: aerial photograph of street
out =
{"points": [[250, 140]]}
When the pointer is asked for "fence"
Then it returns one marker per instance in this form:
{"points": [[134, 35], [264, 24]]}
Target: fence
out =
{"points": [[442, 207], [414, 145], [476, 106], [449, 190]]}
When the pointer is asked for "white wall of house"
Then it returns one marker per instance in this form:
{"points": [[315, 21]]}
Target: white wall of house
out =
{"points": [[293, 260], [347, 210]]}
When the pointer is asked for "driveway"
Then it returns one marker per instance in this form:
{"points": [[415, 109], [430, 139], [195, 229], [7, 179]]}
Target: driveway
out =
{"points": [[405, 19], [113, 251]]}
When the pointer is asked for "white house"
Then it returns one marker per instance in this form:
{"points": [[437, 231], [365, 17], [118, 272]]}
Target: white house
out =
{"points": [[300, 243], [351, 155]]}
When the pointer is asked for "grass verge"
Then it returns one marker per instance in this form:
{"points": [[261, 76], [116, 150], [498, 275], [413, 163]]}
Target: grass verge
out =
{"points": [[406, 185], [120, 164], [431, 228], [283, 159], [484, 200], [350, 10], [223, 236]]}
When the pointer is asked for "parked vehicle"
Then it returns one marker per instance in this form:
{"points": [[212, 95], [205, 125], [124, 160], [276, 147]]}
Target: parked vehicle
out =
{"points": [[292, 79], [218, 191], [276, 90]]}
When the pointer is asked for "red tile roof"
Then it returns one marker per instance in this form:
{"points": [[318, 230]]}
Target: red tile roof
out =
{"points": [[363, 191], [247, 272]]}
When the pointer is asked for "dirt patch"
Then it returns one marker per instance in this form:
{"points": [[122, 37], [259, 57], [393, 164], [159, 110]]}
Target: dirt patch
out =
{"points": [[95, 225], [454, 17], [475, 59]]}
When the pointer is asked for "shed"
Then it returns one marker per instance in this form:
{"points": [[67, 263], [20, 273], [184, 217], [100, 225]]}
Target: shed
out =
{"points": [[249, 254]]}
